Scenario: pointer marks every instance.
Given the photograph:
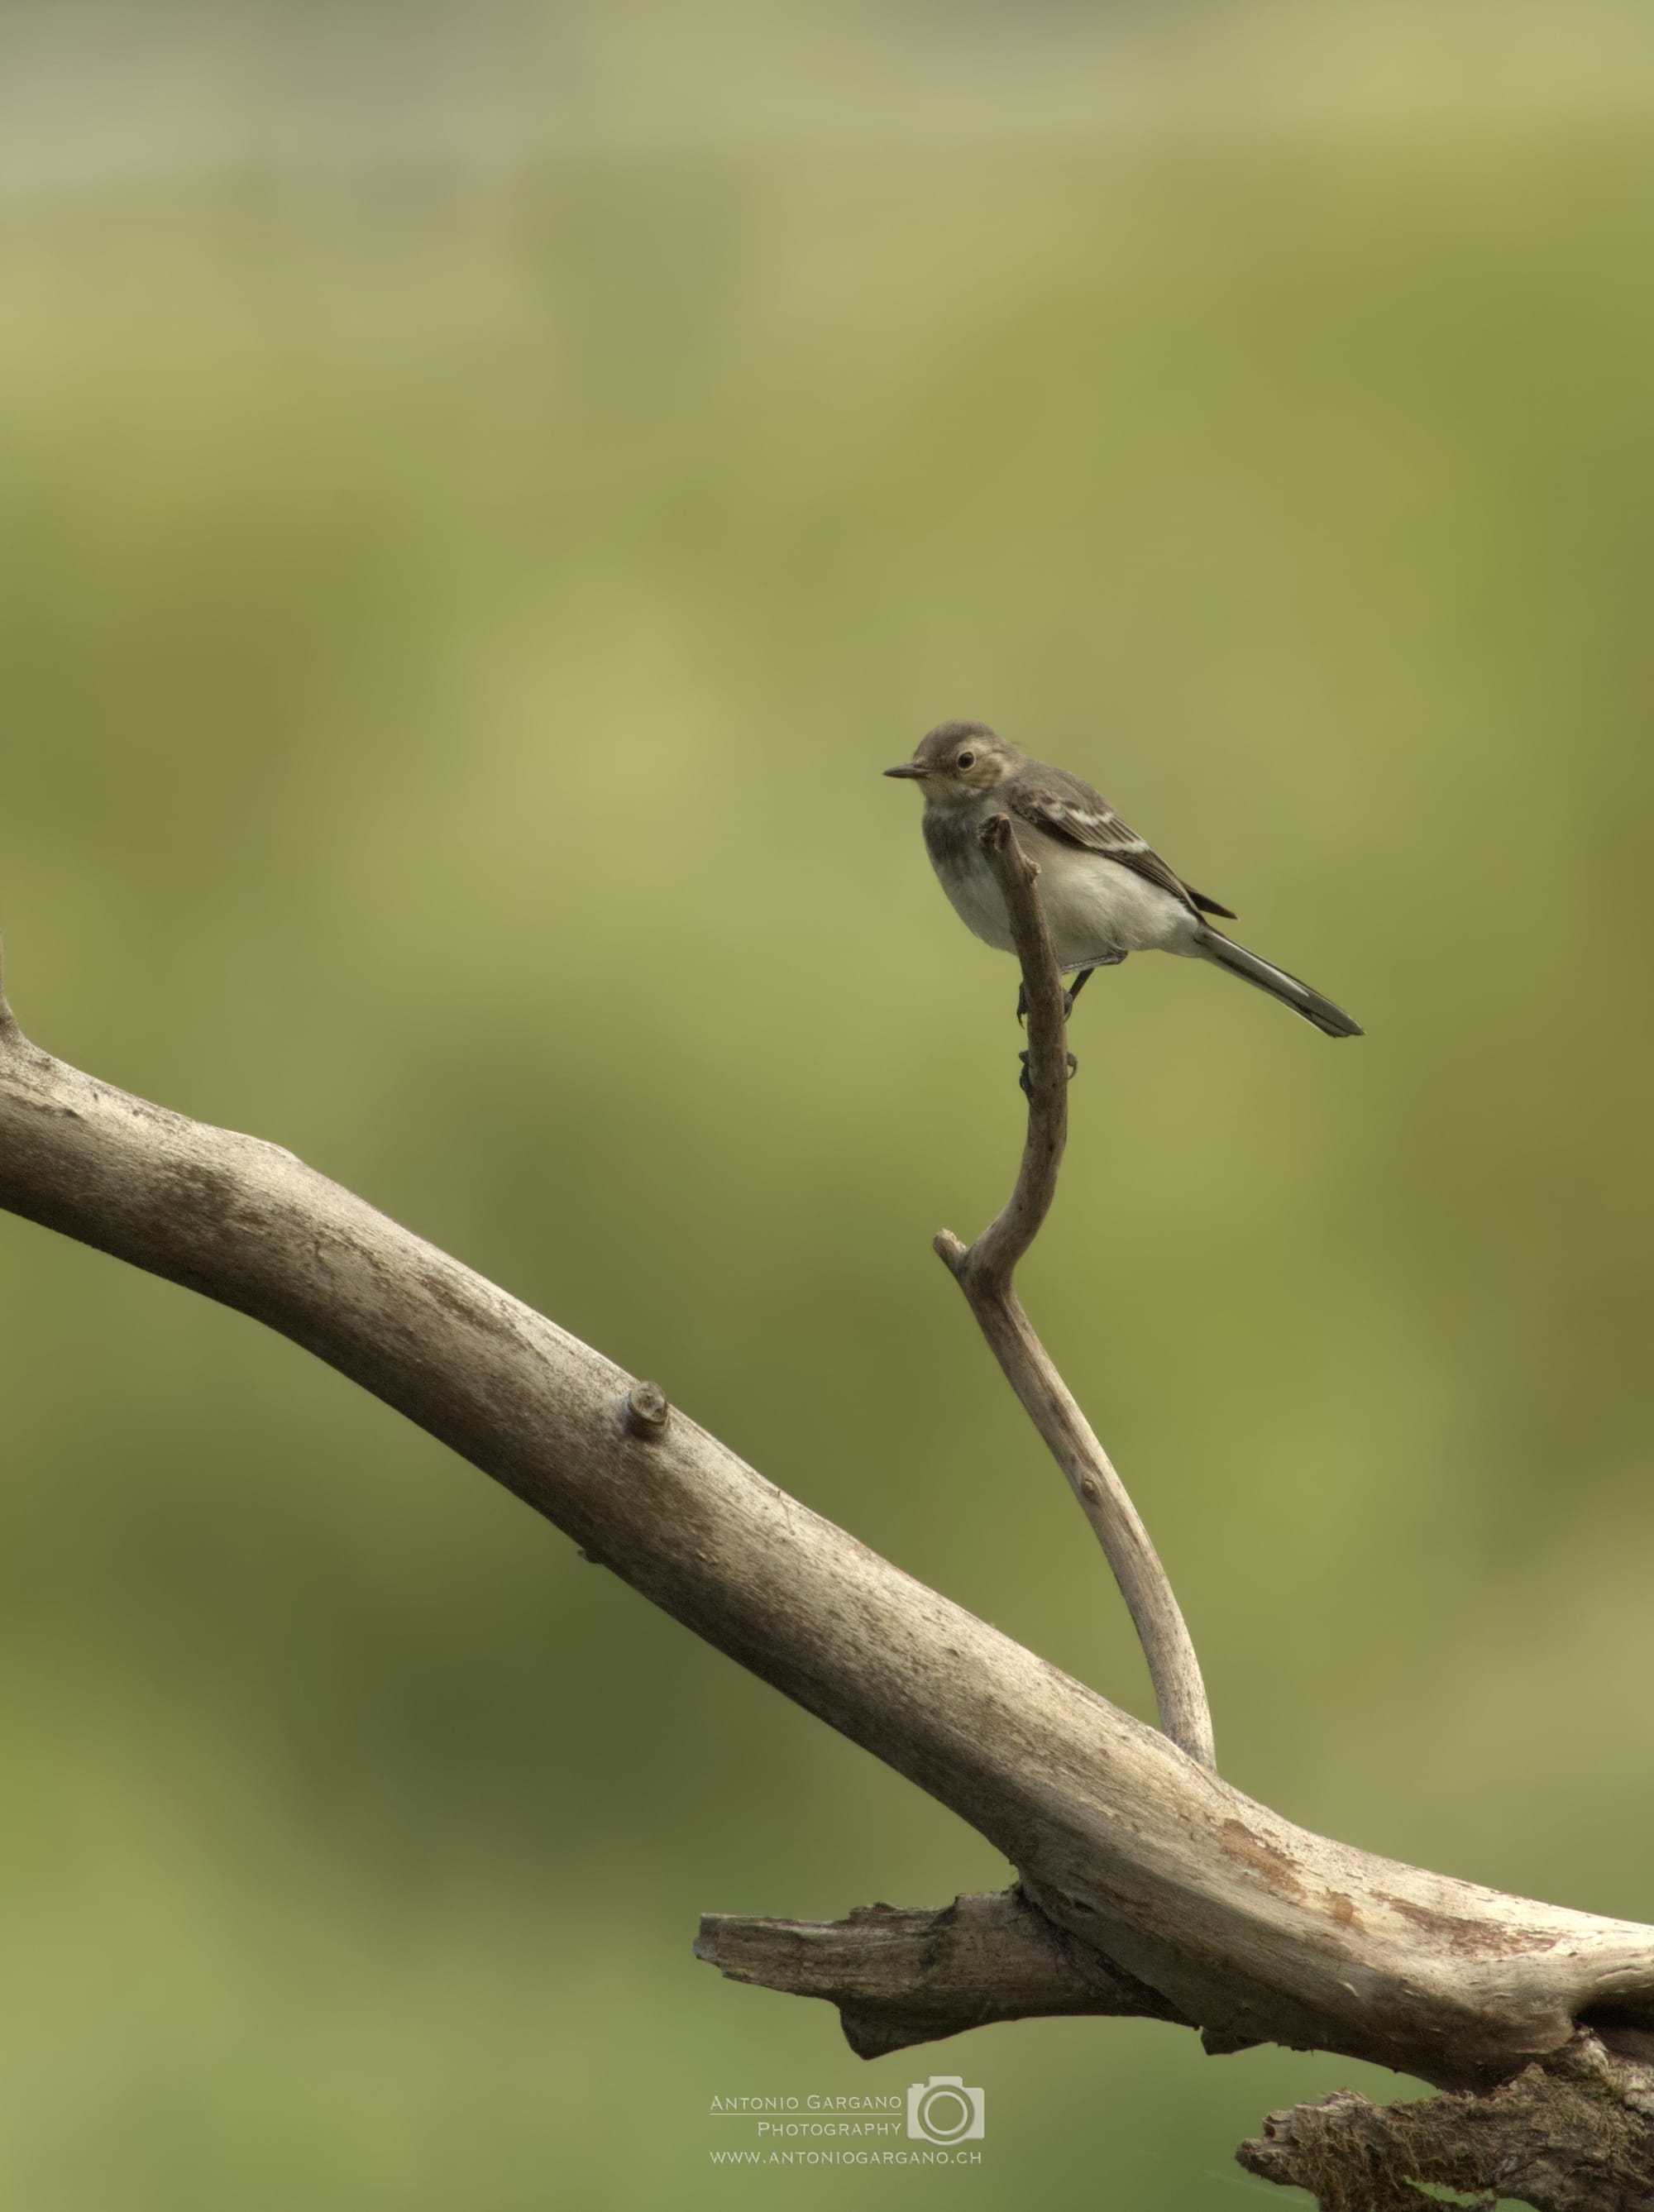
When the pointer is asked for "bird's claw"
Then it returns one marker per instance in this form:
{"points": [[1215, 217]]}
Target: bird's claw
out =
{"points": [[1068, 997], [1024, 1080]]}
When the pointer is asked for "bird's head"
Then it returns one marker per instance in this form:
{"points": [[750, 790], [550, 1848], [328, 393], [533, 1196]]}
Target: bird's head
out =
{"points": [[957, 762]]}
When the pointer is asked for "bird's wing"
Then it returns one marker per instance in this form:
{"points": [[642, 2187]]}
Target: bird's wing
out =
{"points": [[1059, 804]]}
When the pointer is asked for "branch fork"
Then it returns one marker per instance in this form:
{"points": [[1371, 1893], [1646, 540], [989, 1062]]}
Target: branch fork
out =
{"points": [[1148, 1886]]}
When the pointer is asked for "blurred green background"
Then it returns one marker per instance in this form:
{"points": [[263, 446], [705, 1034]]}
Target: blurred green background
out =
{"points": [[487, 490]]}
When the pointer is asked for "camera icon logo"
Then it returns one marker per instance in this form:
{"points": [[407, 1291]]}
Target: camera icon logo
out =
{"points": [[943, 2110]]}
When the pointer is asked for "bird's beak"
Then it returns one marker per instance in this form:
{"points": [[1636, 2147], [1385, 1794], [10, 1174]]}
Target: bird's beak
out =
{"points": [[908, 767]]}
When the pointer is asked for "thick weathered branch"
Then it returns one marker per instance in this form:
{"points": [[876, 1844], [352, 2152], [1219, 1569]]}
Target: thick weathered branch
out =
{"points": [[985, 1272], [902, 1975], [1255, 1927]]}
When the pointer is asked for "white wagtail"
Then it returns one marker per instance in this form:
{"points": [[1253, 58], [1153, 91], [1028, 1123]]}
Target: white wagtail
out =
{"points": [[1105, 892]]}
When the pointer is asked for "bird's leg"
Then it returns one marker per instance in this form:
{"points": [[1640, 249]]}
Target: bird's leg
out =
{"points": [[1111, 960]]}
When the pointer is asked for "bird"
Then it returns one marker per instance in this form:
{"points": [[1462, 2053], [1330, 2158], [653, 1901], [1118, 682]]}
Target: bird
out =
{"points": [[1105, 892]]}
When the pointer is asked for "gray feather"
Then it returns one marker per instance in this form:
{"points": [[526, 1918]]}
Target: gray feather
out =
{"points": [[1330, 1020], [1061, 804]]}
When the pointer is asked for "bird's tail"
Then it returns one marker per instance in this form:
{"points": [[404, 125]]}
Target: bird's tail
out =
{"points": [[1329, 1019]]}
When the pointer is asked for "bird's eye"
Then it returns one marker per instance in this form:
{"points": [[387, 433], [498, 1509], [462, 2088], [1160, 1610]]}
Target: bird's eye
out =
{"points": [[966, 760]]}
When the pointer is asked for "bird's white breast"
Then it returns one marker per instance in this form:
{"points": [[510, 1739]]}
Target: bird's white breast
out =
{"points": [[1095, 907], [977, 899]]}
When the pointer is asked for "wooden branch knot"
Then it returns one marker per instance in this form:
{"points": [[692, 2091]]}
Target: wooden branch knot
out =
{"points": [[646, 1411]]}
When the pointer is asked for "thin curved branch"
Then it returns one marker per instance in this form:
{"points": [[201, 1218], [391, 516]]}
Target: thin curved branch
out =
{"points": [[992, 1260], [1238, 1919], [985, 1272]]}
